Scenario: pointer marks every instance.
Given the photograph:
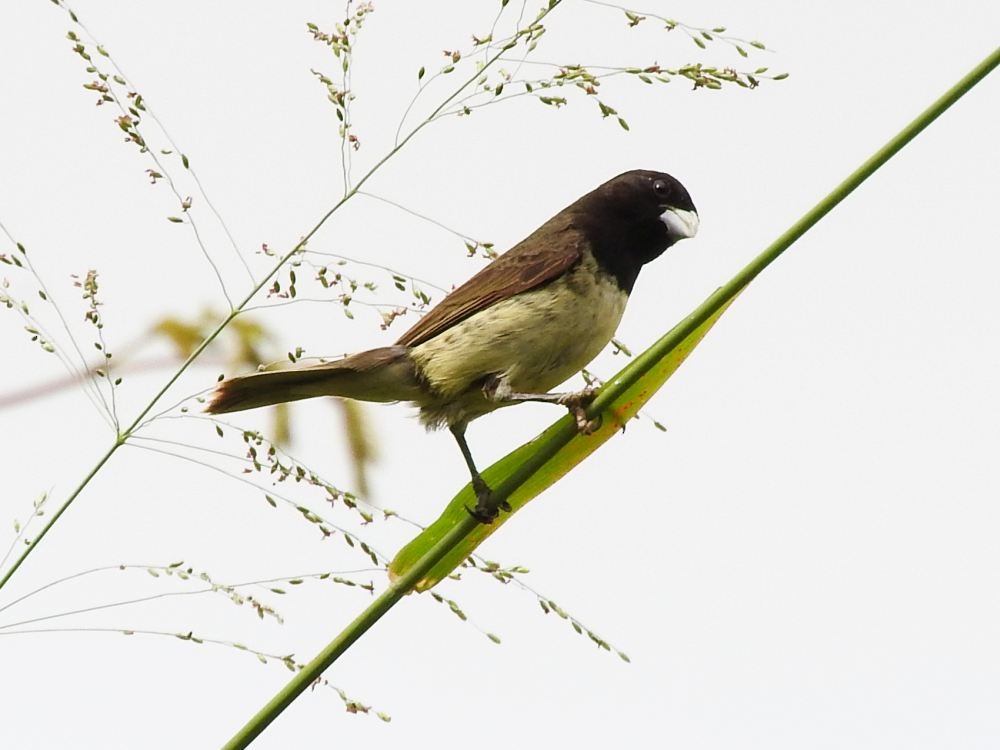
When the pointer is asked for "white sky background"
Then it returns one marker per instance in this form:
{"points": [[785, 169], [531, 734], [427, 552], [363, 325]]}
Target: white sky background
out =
{"points": [[807, 558]]}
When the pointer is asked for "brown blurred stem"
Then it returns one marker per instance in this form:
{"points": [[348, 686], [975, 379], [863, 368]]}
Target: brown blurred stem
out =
{"points": [[51, 387]]}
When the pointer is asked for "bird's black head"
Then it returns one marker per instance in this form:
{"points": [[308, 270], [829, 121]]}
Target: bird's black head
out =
{"points": [[632, 218]]}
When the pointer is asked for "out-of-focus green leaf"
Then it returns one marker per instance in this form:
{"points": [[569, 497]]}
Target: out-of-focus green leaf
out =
{"points": [[281, 426], [358, 442], [184, 336]]}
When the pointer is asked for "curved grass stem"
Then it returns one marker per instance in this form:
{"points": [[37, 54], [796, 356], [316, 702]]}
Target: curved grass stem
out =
{"points": [[613, 390]]}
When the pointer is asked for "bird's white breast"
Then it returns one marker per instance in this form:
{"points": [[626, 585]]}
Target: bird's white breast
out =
{"points": [[536, 339]]}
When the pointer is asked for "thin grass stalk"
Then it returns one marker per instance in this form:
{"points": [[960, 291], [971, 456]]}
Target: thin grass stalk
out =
{"points": [[123, 436]]}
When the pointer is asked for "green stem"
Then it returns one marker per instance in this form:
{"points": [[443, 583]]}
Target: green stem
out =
{"points": [[315, 668], [613, 389], [55, 516], [725, 293], [609, 393], [127, 433]]}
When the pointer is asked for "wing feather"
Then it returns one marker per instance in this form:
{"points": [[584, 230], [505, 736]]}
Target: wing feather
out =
{"points": [[537, 260]]}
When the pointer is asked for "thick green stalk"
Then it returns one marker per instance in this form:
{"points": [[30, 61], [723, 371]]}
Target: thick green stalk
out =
{"points": [[614, 388], [609, 393], [726, 292], [315, 668]]}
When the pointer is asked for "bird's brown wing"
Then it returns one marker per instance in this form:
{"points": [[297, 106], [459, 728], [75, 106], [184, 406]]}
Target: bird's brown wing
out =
{"points": [[535, 261]]}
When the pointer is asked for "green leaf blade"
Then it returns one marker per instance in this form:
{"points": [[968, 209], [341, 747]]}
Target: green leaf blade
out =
{"points": [[560, 447]]}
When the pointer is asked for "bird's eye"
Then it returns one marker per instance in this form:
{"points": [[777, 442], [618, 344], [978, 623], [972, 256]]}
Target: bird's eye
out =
{"points": [[661, 188]]}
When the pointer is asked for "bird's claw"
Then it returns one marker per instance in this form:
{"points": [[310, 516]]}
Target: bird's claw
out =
{"points": [[577, 404], [581, 398], [483, 515], [487, 506], [583, 424]]}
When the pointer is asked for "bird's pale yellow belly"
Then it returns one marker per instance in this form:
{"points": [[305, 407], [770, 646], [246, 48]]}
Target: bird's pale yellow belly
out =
{"points": [[534, 341]]}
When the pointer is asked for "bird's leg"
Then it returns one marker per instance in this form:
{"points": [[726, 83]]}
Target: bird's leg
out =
{"points": [[487, 507], [498, 389]]}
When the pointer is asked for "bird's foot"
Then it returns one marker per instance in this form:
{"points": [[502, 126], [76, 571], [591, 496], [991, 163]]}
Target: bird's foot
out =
{"points": [[577, 403], [487, 506]]}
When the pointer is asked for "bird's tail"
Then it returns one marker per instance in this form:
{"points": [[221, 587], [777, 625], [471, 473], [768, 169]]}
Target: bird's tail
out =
{"points": [[385, 374]]}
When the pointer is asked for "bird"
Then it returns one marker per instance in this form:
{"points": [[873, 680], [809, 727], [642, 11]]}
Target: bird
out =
{"points": [[525, 323]]}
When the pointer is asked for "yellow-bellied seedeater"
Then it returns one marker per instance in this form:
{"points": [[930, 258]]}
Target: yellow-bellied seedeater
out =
{"points": [[518, 328]]}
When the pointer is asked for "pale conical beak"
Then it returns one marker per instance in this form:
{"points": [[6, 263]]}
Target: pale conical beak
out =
{"points": [[680, 223]]}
